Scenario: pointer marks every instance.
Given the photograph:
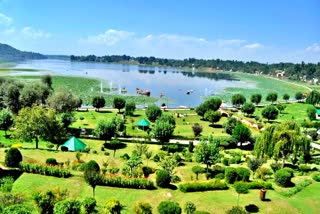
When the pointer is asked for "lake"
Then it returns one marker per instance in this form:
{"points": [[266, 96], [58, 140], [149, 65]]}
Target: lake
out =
{"points": [[178, 87]]}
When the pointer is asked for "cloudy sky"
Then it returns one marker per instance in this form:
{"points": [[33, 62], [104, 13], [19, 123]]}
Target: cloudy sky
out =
{"points": [[264, 31]]}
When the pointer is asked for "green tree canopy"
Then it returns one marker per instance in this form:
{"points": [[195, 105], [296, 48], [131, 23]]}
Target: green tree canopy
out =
{"points": [[63, 100], [286, 97], [6, 120], [238, 100], [207, 152], [299, 96], [272, 97], [241, 133], [162, 131], [119, 103], [248, 108], [98, 102], [313, 97], [311, 112], [212, 116], [256, 98], [270, 112], [130, 108], [153, 112]]}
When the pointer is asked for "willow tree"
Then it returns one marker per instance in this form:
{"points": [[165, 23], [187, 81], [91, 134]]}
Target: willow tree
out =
{"points": [[282, 141]]}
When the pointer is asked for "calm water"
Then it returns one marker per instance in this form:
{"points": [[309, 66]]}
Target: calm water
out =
{"points": [[172, 83]]}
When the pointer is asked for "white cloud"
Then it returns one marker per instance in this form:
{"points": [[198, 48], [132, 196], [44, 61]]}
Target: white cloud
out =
{"points": [[5, 20], [315, 47], [253, 46], [230, 42], [35, 34], [109, 38]]}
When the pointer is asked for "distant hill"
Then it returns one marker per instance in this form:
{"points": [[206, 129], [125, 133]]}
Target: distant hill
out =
{"points": [[8, 53]]}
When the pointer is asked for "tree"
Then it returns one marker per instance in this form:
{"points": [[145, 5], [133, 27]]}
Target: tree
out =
{"points": [[197, 129], [311, 112], [115, 144], [98, 102], [270, 113], [241, 133], [212, 116], [282, 141], [286, 97], [92, 175], [47, 80], [38, 123], [11, 96], [166, 207], [190, 207], [63, 100], [29, 95], [133, 164], [272, 97], [248, 108], [280, 107], [105, 130], [162, 131], [238, 100], [113, 206], [119, 103], [230, 124], [256, 98], [207, 152], [6, 120], [299, 96], [153, 112], [254, 163], [130, 108], [197, 170], [241, 188], [167, 118], [68, 206], [201, 110], [163, 178], [213, 103], [313, 97], [143, 208], [13, 157], [67, 119]]}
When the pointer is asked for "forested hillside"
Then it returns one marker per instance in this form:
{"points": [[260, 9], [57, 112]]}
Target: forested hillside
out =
{"points": [[8, 53]]}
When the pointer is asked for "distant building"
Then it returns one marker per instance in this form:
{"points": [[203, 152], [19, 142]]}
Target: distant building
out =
{"points": [[280, 73]]}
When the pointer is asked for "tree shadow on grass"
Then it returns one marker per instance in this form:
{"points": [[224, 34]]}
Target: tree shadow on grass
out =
{"points": [[136, 115], [252, 208], [104, 111], [217, 126]]}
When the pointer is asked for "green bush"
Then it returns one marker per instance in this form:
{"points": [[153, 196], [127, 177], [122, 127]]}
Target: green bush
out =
{"points": [[89, 205], [262, 172], [283, 177], [68, 206], [198, 170], [316, 177], [203, 186], [163, 178], [241, 187], [134, 183], [275, 166], [190, 207], [259, 185], [219, 176], [298, 188], [6, 184], [230, 175], [112, 207], [225, 161], [304, 168], [237, 210], [243, 174], [44, 170], [169, 207], [52, 162], [143, 208], [92, 166], [147, 171], [45, 201], [13, 157], [16, 209]]}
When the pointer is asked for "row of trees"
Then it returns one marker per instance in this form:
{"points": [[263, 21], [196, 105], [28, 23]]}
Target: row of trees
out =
{"points": [[294, 71]]}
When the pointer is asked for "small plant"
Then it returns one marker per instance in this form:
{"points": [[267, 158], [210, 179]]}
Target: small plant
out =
{"points": [[163, 178], [166, 207], [68, 206], [198, 170], [143, 208], [283, 177], [52, 162], [89, 205], [78, 156], [6, 184], [190, 207]]}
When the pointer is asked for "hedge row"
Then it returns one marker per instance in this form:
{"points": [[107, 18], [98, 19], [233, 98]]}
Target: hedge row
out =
{"points": [[203, 186], [44, 170], [134, 183], [259, 185], [298, 188]]}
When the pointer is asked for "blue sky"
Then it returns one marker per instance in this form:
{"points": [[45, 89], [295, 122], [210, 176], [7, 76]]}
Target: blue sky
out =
{"points": [[265, 31]]}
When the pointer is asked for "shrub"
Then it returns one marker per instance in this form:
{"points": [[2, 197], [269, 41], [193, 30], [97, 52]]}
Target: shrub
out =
{"points": [[241, 187], [230, 175], [147, 171], [89, 205], [190, 146], [225, 161], [304, 168], [236, 210], [219, 176], [112, 207], [283, 178], [44, 170], [298, 188], [163, 178], [262, 172], [13, 157], [243, 174], [67, 207], [156, 158], [45, 201], [114, 170], [189, 207], [203, 186], [143, 208], [198, 170], [6, 184], [134, 183], [275, 166], [16, 209], [316, 177], [259, 185], [166, 207], [175, 179], [52, 162], [125, 156]]}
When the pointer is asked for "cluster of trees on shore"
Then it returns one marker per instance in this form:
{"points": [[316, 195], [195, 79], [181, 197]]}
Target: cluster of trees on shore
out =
{"points": [[293, 71]]}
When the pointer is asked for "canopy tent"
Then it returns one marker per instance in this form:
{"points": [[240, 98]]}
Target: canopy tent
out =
{"points": [[74, 144], [143, 124]]}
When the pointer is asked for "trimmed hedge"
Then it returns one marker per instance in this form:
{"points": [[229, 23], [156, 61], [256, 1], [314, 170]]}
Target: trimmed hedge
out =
{"points": [[203, 186], [283, 177], [316, 177], [299, 187], [259, 185], [134, 183], [44, 170]]}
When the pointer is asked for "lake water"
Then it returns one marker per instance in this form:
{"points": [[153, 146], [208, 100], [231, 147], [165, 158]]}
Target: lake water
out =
{"points": [[179, 87]]}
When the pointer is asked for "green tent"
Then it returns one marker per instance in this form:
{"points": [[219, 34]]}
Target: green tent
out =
{"points": [[143, 124], [74, 144]]}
